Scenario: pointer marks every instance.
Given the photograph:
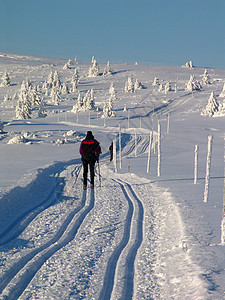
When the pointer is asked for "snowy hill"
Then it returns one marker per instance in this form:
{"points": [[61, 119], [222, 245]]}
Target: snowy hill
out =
{"points": [[139, 235]]}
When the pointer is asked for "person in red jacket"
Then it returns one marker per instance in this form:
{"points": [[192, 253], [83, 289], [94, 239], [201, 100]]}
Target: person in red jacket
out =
{"points": [[90, 150]]}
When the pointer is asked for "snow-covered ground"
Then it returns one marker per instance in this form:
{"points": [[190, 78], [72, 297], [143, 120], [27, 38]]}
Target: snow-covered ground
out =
{"points": [[138, 235]]}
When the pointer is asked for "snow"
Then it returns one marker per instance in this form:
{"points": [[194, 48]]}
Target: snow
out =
{"points": [[141, 235]]}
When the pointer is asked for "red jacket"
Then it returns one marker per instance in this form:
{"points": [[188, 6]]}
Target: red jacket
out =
{"points": [[90, 150]]}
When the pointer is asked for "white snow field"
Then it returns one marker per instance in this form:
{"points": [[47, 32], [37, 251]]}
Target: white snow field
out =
{"points": [[138, 234]]}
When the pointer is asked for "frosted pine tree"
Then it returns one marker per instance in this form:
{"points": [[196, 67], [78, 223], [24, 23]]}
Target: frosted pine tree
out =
{"points": [[206, 79], [5, 80], [56, 81], [155, 81], [41, 110], [68, 65], [24, 107], [79, 105], [65, 90], [112, 91], [138, 85], [193, 84], [129, 86], [55, 95], [94, 69], [35, 95], [167, 87], [50, 80], [75, 77], [212, 107], [90, 101], [108, 70], [222, 94]]}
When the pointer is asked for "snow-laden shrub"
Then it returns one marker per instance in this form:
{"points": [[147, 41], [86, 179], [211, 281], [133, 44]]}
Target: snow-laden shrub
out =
{"points": [[5, 80], [155, 81], [138, 85], [206, 78], [167, 87], [18, 139], [212, 107], [68, 64], [193, 84]]}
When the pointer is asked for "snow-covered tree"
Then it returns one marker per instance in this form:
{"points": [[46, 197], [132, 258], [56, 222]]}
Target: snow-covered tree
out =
{"points": [[64, 89], [24, 107], [189, 64], [25, 85], [155, 81], [112, 91], [79, 105], [41, 110], [129, 85], [55, 95], [193, 84], [56, 81], [49, 81], [75, 77], [206, 78], [161, 87], [90, 102], [94, 69], [167, 87], [212, 107], [35, 95], [5, 80], [138, 85], [222, 94], [108, 111], [108, 70], [68, 64]]}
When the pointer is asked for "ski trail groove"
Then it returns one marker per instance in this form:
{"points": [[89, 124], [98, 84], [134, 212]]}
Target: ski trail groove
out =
{"points": [[21, 223], [130, 259], [108, 283], [133, 204], [62, 238]]}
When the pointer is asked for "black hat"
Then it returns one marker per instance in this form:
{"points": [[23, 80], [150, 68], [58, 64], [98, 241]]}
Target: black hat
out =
{"points": [[89, 135]]}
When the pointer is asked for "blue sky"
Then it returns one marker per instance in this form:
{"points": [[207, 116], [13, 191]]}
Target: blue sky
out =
{"points": [[122, 31]]}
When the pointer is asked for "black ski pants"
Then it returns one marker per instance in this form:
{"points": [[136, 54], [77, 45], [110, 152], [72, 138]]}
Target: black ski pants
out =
{"points": [[92, 171]]}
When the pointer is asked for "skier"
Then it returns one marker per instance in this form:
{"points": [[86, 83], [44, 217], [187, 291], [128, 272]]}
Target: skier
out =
{"points": [[111, 151], [90, 150]]}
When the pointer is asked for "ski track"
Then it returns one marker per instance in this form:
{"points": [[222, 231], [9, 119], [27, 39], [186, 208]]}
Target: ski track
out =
{"points": [[32, 262], [21, 223], [134, 204]]}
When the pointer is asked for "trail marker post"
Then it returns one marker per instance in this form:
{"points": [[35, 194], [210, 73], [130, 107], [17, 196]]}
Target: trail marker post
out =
{"points": [[149, 152], [196, 165], [159, 151], [208, 166]]}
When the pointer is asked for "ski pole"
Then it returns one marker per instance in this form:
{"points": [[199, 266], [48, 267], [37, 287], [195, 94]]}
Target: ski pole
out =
{"points": [[99, 175], [77, 176]]}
